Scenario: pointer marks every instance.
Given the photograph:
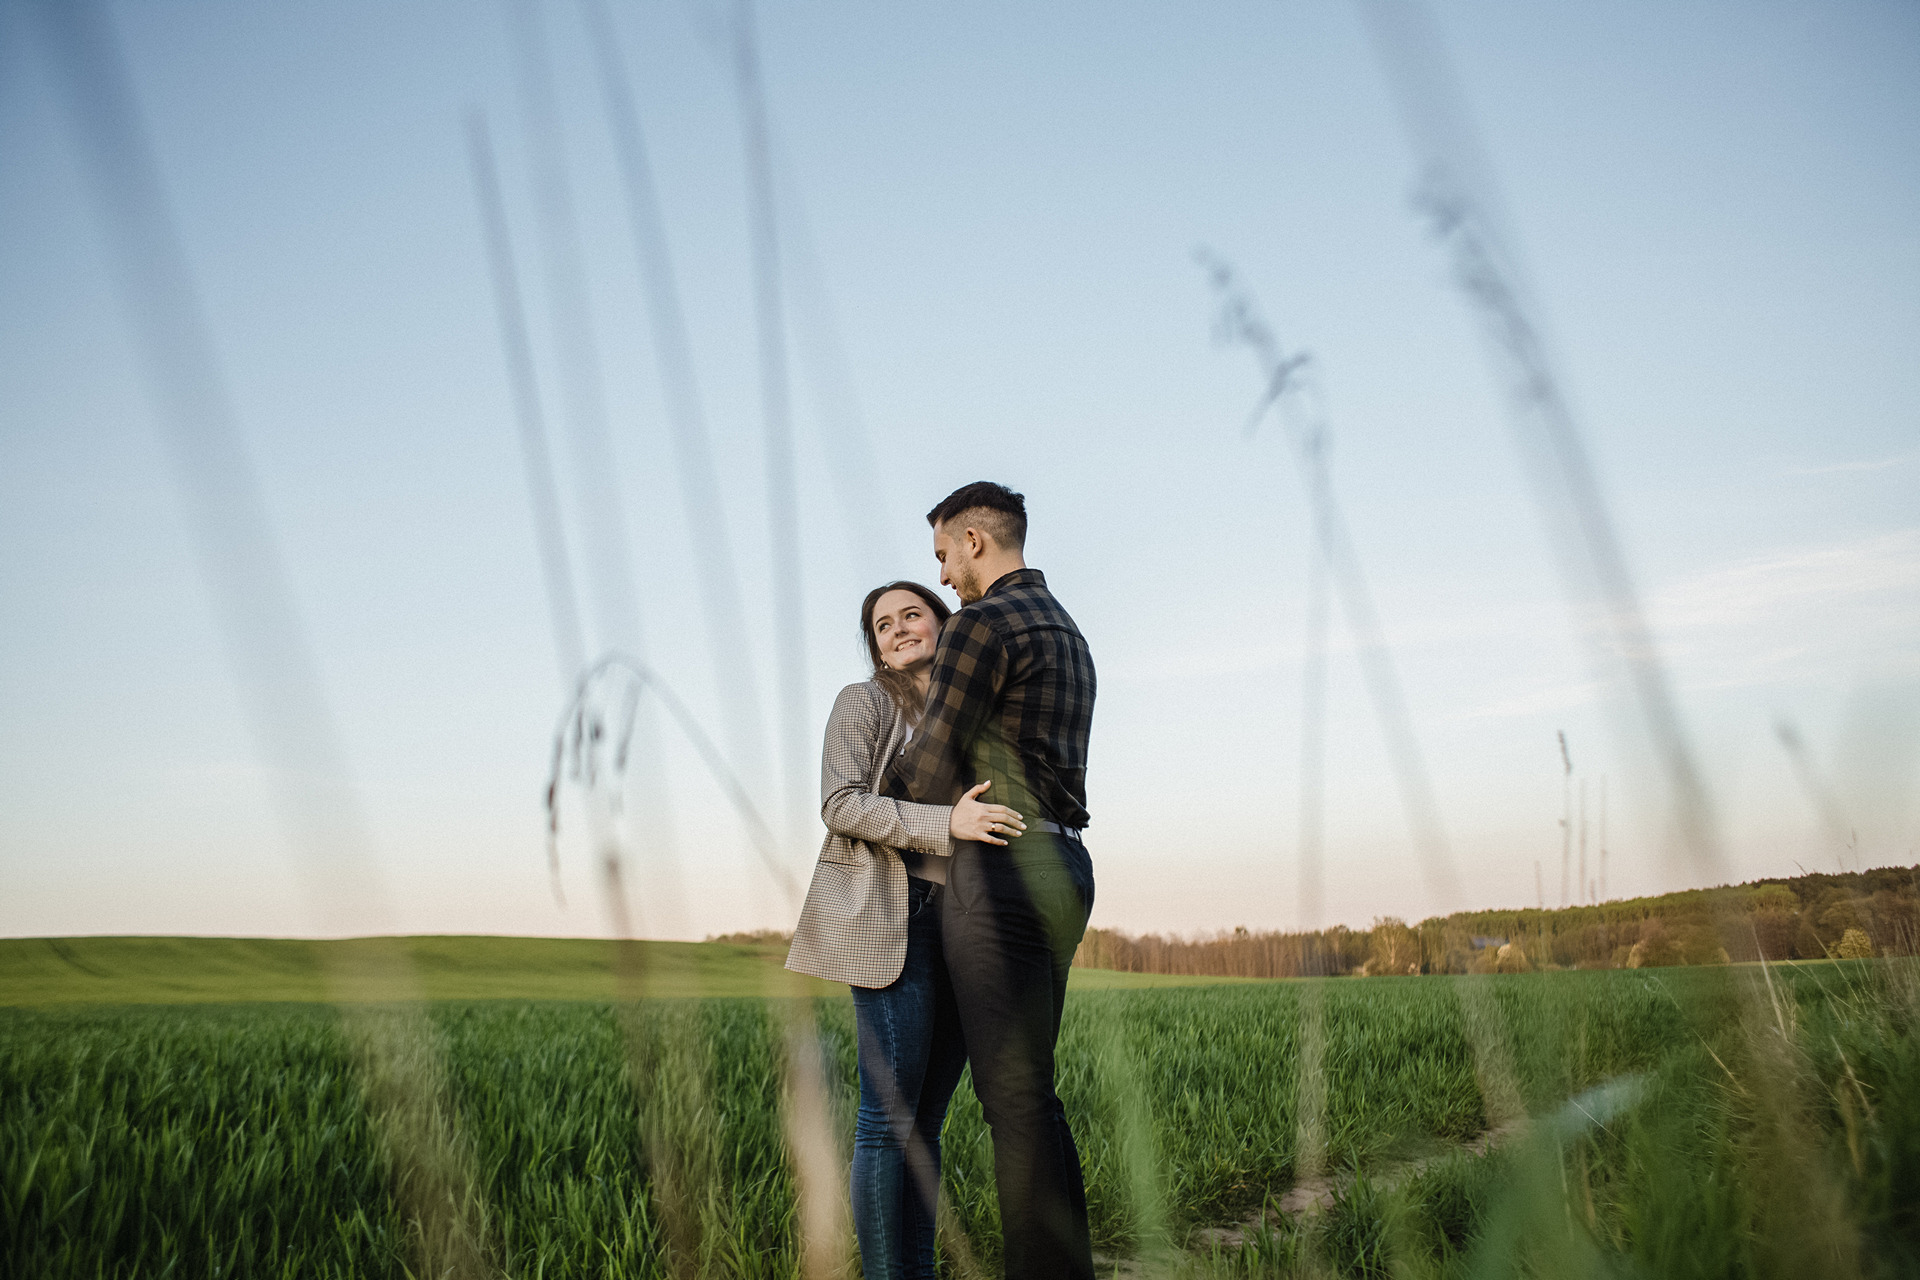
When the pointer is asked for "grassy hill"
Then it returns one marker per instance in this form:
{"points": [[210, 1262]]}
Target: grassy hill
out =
{"points": [[146, 970]]}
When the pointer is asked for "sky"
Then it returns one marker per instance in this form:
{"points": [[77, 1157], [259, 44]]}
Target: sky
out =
{"points": [[988, 215]]}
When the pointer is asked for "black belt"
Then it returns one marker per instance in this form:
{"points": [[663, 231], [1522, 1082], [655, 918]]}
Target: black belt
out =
{"points": [[1071, 833]]}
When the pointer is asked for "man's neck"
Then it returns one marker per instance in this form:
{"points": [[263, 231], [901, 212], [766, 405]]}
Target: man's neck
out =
{"points": [[994, 572]]}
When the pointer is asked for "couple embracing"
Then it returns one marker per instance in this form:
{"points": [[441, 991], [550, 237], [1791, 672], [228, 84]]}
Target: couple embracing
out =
{"points": [[953, 888]]}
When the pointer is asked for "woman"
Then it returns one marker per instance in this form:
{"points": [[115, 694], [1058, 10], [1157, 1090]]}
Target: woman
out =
{"points": [[872, 921]]}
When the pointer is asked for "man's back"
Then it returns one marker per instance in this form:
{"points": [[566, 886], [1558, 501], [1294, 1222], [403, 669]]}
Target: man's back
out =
{"points": [[1011, 701]]}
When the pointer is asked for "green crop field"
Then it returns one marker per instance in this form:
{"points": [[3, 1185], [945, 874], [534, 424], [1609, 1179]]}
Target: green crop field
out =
{"points": [[1685, 1122], [139, 970]]}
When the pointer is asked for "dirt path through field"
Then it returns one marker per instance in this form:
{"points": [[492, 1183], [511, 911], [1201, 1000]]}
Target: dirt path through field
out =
{"points": [[1312, 1195], [1321, 1192]]}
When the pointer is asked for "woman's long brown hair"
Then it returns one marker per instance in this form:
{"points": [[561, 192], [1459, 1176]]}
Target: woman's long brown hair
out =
{"points": [[898, 684]]}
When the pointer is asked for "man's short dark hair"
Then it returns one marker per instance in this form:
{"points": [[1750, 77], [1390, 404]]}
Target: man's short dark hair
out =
{"points": [[1002, 512]]}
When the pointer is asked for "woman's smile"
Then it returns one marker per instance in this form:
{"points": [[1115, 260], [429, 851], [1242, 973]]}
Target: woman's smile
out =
{"points": [[902, 629]]}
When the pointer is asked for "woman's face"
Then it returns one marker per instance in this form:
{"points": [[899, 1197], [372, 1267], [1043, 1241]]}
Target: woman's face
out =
{"points": [[904, 628]]}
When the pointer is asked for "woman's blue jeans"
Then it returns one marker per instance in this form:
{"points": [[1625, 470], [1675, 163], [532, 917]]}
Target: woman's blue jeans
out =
{"points": [[911, 1057]]}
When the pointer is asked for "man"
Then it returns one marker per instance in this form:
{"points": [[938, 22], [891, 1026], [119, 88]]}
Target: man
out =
{"points": [[1011, 702]]}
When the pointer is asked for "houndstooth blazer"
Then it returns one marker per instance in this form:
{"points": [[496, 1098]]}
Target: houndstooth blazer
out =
{"points": [[853, 928]]}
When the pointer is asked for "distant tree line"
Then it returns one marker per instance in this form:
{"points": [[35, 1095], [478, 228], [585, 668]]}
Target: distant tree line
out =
{"points": [[1852, 915]]}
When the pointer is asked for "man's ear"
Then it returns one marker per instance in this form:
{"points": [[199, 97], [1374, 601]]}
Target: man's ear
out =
{"points": [[976, 543]]}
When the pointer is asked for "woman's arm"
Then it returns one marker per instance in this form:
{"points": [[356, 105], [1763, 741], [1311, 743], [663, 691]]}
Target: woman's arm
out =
{"points": [[848, 807]]}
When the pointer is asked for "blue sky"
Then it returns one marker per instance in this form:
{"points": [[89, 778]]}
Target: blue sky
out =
{"points": [[1719, 203]]}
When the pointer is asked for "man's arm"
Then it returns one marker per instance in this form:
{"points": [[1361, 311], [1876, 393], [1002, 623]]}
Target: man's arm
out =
{"points": [[969, 670]]}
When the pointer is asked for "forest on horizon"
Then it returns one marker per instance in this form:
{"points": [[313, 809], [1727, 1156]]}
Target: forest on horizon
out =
{"points": [[1813, 916]]}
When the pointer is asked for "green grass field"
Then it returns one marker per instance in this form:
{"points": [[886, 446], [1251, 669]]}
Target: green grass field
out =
{"points": [[140, 970], [1685, 1122]]}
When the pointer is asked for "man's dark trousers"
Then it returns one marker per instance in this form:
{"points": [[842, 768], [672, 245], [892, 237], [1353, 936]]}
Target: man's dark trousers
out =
{"points": [[1010, 922]]}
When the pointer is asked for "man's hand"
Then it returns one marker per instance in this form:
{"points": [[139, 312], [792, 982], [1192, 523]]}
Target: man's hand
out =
{"points": [[984, 823]]}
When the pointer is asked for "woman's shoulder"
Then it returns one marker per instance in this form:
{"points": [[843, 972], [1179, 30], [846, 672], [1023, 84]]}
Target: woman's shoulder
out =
{"points": [[865, 700], [862, 691], [863, 718]]}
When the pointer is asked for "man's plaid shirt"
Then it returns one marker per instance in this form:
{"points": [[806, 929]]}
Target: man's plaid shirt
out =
{"points": [[1011, 701]]}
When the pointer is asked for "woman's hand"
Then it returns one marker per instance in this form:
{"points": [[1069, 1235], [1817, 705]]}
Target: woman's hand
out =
{"points": [[986, 823]]}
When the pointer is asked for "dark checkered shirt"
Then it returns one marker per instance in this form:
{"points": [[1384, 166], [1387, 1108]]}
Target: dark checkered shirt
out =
{"points": [[1011, 701]]}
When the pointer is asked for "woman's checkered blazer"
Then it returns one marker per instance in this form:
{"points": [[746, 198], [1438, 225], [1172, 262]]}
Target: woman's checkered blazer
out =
{"points": [[853, 928]]}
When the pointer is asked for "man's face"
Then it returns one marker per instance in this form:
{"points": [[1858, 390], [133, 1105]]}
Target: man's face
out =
{"points": [[957, 566]]}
